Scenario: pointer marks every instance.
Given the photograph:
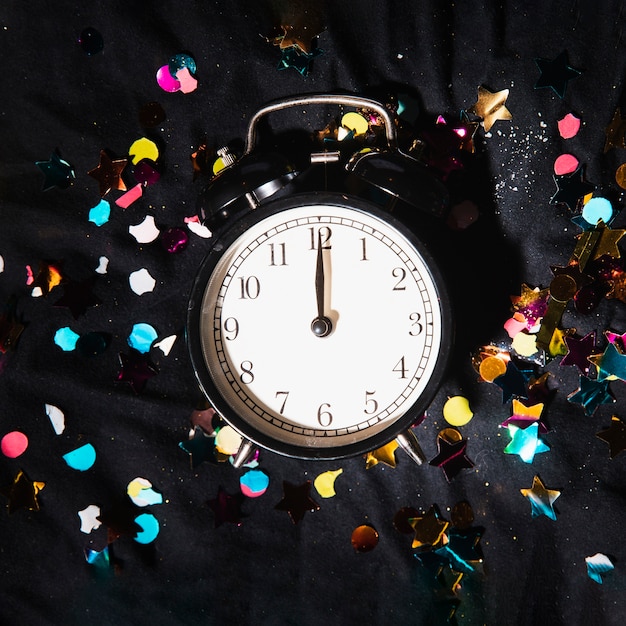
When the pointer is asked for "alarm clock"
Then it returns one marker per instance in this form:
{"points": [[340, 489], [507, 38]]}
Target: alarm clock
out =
{"points": [[319, 325]]}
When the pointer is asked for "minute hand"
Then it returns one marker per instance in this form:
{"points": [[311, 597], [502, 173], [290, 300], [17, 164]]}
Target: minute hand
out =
{"points": [[321, 325]]}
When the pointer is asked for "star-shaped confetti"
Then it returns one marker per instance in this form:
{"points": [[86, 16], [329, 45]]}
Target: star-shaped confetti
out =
{"points": [[591, 394], [226, 507], [513, 383], [615, 436], [490, 106], [524, 416], [531, 303], [108, 173], [22, 493], [136, 369], [386, 454], [119, 519], [525, 442], [615, 132], [452, 457], [607, 242], [579, 350], [541, 499], [429, 529], [200, 447], [78, 297], [597, 565], [572, 188], [57, 172], [463, 550], [555, 74], [611, 364], [297, 500], [299, 61]]}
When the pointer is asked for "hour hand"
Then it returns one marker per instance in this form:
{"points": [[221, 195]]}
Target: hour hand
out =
{"points": [[321, 324]]}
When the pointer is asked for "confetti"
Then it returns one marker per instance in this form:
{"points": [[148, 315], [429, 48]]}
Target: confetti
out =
{"points": [[141, 281], [108, 173], [132, 195], [181, 61], [568, 126], [142, 337], [81, 458], [597, 209], [386, 454], [226, 508], [100, 213], [456, 411], [615, 132], [91, 41], [297, 500], [66, 339], [325, 483], [555, 74], [615, 436], [541, 499], [451, 457], [187, 83], [591, 394], [14, 444], [142, 494], [166, 81], [151, 115], [200, 447], [78, 297], [136, 369], [364, 538], [143, 148], [146, 231], [428, 529], [174, 240], [57, 172], [490, 106], [149, 526], [100, 559], [146, 173], [525, 442], [56, 417], [89, 518], [579, 350], [228, 440], [254, 483], [166, 344], [565, 164], [355, 122], [193, 223], [22, 493], [103, 264], [597, 565]]}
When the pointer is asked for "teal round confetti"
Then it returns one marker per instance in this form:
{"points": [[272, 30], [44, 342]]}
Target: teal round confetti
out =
{"points": [[101, 213], [149, 528], [254, 483], [66, 339], [142, 337], [82, 458], [597, 209], [179, 62]]}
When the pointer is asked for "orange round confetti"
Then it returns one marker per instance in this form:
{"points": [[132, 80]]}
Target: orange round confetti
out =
{"points": [[364, 538], [491, 367], [620, 176]]}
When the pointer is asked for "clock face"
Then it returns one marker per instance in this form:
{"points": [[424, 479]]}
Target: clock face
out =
{"points": [[320, 329]]}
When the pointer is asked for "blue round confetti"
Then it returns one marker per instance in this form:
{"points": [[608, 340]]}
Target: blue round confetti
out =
{"points": [[66, 339], [149, 528], [597, 209], [100, 214], [254, 483], [82, 458], [142, 337], [179, 62]]}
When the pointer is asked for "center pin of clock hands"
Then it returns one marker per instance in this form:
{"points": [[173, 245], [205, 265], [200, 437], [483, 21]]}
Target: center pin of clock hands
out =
{"points": [[321, 325]]}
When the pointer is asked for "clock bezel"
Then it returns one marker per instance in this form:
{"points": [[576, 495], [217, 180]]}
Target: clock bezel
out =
{"points": [[220, 244]]}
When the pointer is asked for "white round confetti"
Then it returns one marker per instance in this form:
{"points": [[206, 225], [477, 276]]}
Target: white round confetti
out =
{"points": [[146, 231], [89, 519], [198, 229], [141, 281], [228, 440], [57, 418]]}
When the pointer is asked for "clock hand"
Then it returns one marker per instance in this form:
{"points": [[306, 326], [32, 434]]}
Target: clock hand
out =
{"points": [[321, 325]]}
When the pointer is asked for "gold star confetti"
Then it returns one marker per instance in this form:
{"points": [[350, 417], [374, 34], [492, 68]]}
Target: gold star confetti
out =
{"points": [[385, 455], [429, 529], [490, 107], [615, 132], [541, 499]]}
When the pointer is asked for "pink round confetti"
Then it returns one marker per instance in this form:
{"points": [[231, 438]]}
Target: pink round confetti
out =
{"points": [[166, 81], [565, 164], [568, 126], [14, 444]]}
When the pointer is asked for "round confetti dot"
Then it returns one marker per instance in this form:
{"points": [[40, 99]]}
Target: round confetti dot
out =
{"points": [[254, 483], [146, 231], [456, 411], [141, 281], [149, 528], [151, 115], [179, 62], [563, 287], [356, 122], [228, 440], [568, 126], [66, 339], [450, 435], [620, 176], [525, 344], [143, 148], [325, 483], [82, 458], [166, 81], [597, 209], [140, 491], [364, 538], [565, 164], [92, 344], [146, 173], [14, 444], [142, 337], [491, 367], [174, 240], [101, 213], [91, 41]]}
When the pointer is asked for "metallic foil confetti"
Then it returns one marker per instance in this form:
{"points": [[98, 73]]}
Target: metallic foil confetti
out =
{"points": [[428, 529], [78, 297], [108, 173], [451, 457], [200, 447], [386, 454], [541, 499], [226, 508], [297, 500], [555, 74], [615, 132], [597, 565], [174, 240], [525, 442], [22, 493], [151, 115], [490, 106], [57, 172], [92, 344], [615, 436], [364, 538], [591, 394], [571, 189], [611, 364], [136, 369]]}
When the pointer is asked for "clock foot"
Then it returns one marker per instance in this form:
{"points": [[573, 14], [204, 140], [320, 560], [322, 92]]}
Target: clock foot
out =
{"points": [[408, 442], [243, 454]]}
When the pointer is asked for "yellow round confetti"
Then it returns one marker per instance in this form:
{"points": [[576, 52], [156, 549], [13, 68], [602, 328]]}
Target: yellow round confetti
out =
{"points": [[620, 176], [491, 367], [228, 440], [218, 165], [143, 148], [356, 122], [325, 483], [456, 411], [524, 344]]}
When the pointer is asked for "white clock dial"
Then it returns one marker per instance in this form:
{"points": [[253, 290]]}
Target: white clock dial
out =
{"points": [[282, 377]]}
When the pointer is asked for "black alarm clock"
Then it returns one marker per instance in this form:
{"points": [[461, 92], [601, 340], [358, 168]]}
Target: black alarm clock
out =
{"points": [[319, 326]]}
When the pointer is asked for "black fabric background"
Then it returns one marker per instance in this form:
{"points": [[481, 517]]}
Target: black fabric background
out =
{"points": [[268, 571]]}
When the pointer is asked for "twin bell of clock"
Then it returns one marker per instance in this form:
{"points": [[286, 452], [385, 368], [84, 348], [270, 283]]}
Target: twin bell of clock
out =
{"points": [[319, 326]]}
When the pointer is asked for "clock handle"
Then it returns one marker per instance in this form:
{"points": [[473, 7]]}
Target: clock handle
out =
{"points": [[347, 100], [408, 442]]}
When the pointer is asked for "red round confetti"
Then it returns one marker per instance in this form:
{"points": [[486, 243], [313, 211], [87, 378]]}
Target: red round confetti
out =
{"points": [[565, 164], [364, 538], [14, 444], [568, 126]]}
